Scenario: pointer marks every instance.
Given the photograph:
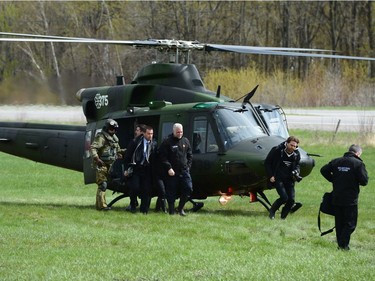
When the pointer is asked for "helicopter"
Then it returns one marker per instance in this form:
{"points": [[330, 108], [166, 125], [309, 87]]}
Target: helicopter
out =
{"points": [[230, 139]]}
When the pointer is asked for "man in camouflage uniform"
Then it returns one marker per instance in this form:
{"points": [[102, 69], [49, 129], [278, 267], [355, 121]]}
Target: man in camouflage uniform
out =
{"points": [[104, 151]]}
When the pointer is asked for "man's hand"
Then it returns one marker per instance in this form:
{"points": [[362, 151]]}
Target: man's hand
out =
{"points": [[171, 172], [98, 162]]}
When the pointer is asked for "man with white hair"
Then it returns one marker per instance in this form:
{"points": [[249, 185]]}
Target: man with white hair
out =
{"points": [[176, 155], [346, 173]]}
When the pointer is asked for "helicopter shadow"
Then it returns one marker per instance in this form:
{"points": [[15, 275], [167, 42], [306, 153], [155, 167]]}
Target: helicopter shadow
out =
{"points": [[231, 212], [217, 212]]}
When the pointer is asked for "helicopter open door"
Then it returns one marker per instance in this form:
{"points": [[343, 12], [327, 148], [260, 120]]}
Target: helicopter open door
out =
{"points": [[88, 170], [205, 150]]}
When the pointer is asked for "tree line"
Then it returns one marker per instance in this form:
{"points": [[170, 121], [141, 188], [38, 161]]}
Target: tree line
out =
{"points": [[345, 27]]}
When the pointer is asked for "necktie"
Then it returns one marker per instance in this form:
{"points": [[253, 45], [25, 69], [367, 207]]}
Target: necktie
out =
{"points": [[147, 151]]}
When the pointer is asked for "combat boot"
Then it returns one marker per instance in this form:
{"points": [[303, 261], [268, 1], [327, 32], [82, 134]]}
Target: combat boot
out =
{"points": [[100, 200], [97, 204], [101, 203]]}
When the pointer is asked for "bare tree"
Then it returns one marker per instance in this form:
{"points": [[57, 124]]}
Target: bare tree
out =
{"points": [[371, 35]]}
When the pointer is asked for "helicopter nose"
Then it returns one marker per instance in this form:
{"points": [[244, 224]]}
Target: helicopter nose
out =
{"points": [[306, 164]]}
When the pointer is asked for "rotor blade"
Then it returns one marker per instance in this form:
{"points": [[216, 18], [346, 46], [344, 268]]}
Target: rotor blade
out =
{"points": [[163, 44], [264, 51], [94, 41], [245, 49], [158, 43], [161, 41], [42, 36]]}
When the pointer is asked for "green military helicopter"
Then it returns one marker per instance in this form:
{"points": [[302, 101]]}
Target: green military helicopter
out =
{"points": [[230, 139]]}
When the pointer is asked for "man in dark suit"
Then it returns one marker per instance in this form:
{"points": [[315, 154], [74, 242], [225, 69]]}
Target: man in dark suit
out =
{"points": [[139, 156]]}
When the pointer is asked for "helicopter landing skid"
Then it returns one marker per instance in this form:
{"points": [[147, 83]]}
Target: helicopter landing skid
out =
{"points": [[122, 196], [267, 204], [262, 199]]}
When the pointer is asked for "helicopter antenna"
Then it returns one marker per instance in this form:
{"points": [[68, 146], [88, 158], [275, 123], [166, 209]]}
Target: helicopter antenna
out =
{"points": [[249, 96], [218, 91], [120, 80], [255, 112]]}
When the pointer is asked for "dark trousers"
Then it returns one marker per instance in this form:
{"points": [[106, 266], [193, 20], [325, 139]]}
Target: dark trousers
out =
{"points": [[161, 188], [140, 184], [345, 222], [181, 185], [285, 189]]}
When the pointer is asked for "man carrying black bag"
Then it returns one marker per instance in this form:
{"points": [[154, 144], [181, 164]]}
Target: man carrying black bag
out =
{"points": [[346, 173]]}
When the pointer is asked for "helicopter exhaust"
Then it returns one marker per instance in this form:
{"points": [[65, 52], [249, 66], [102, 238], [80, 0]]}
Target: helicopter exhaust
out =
{"points": [[225, 197], [120, 80]]}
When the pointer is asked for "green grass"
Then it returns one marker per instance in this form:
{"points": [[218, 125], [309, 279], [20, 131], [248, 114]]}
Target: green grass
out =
{"points": [[50, 230]]}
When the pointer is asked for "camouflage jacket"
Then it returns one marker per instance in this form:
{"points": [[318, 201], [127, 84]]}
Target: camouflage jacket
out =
{"points": [[106, 147]]}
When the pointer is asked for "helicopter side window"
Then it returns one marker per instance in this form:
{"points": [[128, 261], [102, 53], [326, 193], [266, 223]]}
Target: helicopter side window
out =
{"points": [[167, 129], [203, 139], [275, 123], [211, 141], [87, 144], [197, 143]]}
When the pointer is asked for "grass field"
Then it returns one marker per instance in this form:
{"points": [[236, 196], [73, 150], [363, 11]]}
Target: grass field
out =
{"points": [[50, 230]]}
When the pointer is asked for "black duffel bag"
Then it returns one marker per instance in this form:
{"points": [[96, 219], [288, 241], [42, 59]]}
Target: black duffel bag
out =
{"points": [[326, 207]]}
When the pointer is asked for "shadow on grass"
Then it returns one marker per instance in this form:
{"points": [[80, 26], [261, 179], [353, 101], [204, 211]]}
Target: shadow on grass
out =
{"points": [[233, 213], [203, 211], [44, 205]]}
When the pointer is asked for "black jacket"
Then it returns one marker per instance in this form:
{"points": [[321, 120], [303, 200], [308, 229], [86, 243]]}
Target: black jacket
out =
{"points": [[176, 154], [135, 152], [274, 166], [346, 173]]}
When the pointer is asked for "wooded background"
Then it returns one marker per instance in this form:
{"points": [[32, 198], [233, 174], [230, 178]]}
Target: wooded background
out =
{"points": [[54, 72]]}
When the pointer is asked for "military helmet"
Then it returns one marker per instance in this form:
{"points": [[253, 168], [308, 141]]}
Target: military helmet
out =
{"points": [[110, 124]]}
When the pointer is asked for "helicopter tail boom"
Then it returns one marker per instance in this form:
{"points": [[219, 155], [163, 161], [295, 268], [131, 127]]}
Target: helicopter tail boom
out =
{"points": [[58, 145]]}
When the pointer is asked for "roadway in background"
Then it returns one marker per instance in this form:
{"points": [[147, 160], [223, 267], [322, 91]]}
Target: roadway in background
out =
{"points": [[330, 120], [313, 119]]}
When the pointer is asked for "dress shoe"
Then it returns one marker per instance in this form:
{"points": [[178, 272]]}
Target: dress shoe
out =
{"points": [[182, 213], [271, 215], [130, 209]]}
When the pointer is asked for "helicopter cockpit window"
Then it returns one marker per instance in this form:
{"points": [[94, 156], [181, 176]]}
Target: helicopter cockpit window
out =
{"points": [[235, 127], [203, 139]]}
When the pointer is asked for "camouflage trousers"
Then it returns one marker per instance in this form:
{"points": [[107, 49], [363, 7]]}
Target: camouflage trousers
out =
{"points": [[102, 174], [101, 177]]}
